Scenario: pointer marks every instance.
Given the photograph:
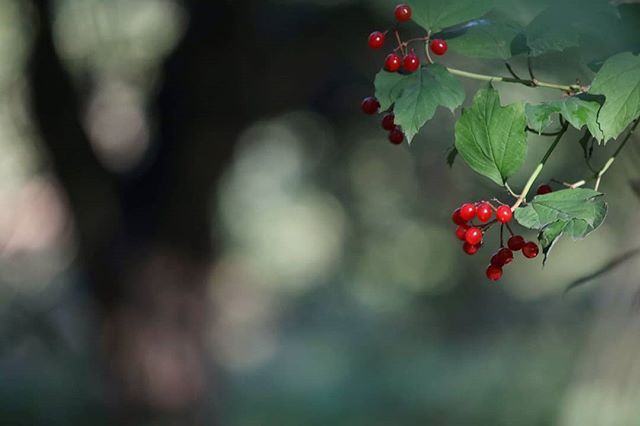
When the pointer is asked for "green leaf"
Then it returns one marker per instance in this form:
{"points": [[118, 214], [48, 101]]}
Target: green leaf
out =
{"points": [[578, 112], [424, 91], [486, 41], [492, 138], [619, 81], [575, 212], [568, 23], [389, 87], [434, 15]]}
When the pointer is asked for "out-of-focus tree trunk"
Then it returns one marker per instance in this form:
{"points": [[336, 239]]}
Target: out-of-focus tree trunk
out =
{"points": [[145, 241]]}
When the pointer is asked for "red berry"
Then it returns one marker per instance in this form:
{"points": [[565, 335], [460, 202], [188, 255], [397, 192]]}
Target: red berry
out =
{"points": [[376, 40], [439, 47], [396, 136], [370, 105], [411, 62], [484, 212], [461, 232], [470, 249], [494, 273], [504, 214], [403, 13], [530, 250], [388, 122], [392, 63], [457, 219], [516, 243], [544, 189], [467, 211], [502, 257], [473, 236]]}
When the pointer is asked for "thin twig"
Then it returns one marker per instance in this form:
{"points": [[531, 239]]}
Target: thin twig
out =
{"points": [[609, 162], [529, 129], [511, 71], [538, 170], [530, 67]]}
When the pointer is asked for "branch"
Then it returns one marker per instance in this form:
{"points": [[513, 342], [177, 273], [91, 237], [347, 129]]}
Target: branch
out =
{"points": [[611, 160], [573, 88], [538, 170]]}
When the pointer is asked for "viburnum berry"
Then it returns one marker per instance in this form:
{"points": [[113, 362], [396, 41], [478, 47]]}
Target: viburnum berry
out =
{"points": [[516, 243], [544, 189], [470, 249], [494, 273], [392, 63], [388, 122], [461, 232], [530, 250], [473, 236], [438, 46], [502, 257], [396, 136], [457, 219], [467, 211], [484, 212], [411, 62], [403, 13], [504, 214], [370, 105], [376, 40]]}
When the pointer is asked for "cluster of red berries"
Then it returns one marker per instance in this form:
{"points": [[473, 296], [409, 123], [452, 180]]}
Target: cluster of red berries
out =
{"points": [[473, 234], [371, 106], [408, 63]]}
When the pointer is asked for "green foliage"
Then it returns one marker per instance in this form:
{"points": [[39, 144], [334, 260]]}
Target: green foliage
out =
{"points": [[492, 40], [492, 138], [416, 96], [567, 23], [576, 111], [574, 212], [434, 15], [389, 87], [619, 81]]}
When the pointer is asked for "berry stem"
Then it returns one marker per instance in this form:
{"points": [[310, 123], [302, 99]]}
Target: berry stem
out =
{"points": [[426, 48], [573, 88], [400, 44], [509, 229], [521, 199], [611, 160], [508, 188]]}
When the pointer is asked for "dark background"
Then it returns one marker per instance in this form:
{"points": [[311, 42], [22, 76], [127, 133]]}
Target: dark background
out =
{"points": [[198, 226]]}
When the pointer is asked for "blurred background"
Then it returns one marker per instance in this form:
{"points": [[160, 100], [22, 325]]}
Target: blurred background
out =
{"points": [[199, 227]]}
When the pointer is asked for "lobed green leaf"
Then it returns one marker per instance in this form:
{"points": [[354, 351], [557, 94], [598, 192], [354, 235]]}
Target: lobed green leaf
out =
{"points": [[434, 15], [568, 23], [578, 112], [417, 96], [574, 212], [619, 81], [491, 41]]}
